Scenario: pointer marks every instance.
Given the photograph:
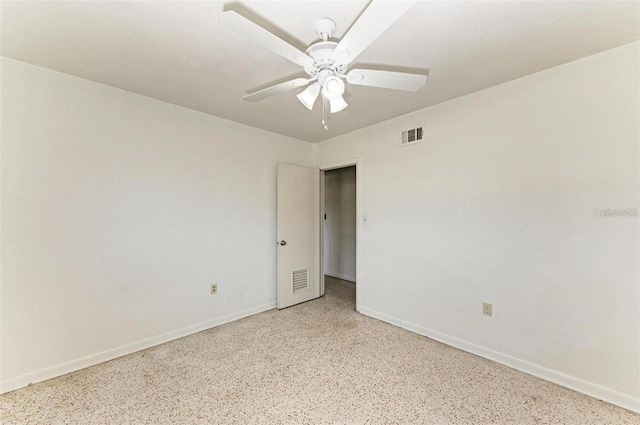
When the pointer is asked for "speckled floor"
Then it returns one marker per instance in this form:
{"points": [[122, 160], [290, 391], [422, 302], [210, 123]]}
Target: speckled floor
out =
{"points": [[315, 363]]}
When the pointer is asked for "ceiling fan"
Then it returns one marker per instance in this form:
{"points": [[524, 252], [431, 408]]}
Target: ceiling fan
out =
{"points": [[327, 62]]}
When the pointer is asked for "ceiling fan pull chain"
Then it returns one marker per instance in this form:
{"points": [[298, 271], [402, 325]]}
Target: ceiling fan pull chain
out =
{"points": [[324, 113]]}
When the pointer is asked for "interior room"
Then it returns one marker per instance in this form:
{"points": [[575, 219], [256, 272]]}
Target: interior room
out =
{"points": [[166, 168]]}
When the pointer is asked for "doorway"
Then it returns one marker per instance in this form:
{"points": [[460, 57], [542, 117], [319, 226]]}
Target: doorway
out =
{"points": [[300, 232], [339, 225]]}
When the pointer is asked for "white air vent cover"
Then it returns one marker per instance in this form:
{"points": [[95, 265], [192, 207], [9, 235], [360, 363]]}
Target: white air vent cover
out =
{"points": [[300, 280], [413, 135]]}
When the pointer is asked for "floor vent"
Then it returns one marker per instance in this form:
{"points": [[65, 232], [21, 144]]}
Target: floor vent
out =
{"points": [[300, 280], [413, 135]]}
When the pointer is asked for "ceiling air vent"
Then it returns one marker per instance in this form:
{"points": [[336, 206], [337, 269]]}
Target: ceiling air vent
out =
{"points": [[412, 136], [300, 280]]}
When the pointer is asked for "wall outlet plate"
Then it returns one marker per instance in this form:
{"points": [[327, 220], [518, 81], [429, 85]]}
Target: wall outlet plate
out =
{"points": [[214, 288], [487, 309]]}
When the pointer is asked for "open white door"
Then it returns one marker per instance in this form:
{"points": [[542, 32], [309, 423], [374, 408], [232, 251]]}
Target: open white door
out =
{"points": [[298, 234]]}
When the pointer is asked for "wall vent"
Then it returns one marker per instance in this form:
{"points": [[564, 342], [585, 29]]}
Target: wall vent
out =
{"points": [[300, 280], [413, 135]]}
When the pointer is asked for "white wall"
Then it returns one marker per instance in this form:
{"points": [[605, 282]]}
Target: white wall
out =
{"points": [[118, 212], [340, 225], [496, 206]]}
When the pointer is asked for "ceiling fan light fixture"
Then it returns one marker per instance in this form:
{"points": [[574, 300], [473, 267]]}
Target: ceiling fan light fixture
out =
{"points": [[333, 88], [337, 105], [309, 95]]}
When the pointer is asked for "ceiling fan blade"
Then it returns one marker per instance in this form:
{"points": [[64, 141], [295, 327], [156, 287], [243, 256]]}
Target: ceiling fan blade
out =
{"points": [[375, 20], [278, 88], [261, 36], [386, 79]]}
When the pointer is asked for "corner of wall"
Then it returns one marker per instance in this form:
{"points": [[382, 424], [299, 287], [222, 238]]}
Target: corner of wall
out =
{"points": [[315, 154]]}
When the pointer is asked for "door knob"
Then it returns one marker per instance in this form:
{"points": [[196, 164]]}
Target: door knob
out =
{"points": [[283, 243]]}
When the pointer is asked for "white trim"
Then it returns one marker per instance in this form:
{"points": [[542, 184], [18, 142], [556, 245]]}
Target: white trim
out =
{"points": [[340, 164], [594, 390], [332, 166], [322, 219], [342, 277], [94, 359]]}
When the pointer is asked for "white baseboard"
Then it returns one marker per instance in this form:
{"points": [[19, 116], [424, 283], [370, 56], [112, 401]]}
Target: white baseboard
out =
{"points": [[93, 359], [342, 276], [594, 390]]}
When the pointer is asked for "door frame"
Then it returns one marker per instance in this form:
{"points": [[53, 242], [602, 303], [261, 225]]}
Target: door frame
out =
{"points": [[357, 162]]}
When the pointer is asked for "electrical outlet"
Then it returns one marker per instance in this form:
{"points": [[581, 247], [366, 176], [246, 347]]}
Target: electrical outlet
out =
{"points": [[214, 288], [487, 309]]}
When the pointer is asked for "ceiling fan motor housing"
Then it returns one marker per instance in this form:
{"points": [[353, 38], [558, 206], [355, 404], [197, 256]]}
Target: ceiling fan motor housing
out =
{"points": [[322, 55], [321, 52]]}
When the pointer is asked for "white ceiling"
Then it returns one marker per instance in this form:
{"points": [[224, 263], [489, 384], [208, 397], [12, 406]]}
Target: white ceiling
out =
{"points": [[177, 52]]}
